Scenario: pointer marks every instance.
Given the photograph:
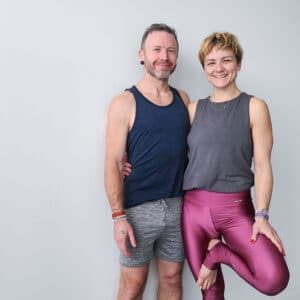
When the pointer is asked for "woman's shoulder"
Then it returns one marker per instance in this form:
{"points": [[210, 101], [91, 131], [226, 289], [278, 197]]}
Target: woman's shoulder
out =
{"points": [[258, 103], [192, 108], [259, 111]]}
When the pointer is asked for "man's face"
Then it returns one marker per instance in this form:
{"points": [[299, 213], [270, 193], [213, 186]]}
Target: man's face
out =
{"points": [[159, 54]]}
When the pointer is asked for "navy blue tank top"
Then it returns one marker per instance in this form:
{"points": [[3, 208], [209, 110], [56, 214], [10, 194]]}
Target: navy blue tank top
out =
{"points": [[157, 150]]}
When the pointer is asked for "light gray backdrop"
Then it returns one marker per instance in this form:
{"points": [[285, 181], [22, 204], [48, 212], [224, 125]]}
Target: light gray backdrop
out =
{"points": [[61, 63]]}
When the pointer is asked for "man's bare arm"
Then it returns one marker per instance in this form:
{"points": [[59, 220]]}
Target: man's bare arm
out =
{"points": [[118, 125], [116, 136]]}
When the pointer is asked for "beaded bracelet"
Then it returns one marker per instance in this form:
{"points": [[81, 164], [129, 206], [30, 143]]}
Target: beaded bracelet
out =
{"points": [[120, 218], [262, 214]]}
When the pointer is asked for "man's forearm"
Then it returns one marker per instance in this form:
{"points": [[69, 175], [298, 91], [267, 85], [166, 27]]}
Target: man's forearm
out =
{"points": [[114, 187]]}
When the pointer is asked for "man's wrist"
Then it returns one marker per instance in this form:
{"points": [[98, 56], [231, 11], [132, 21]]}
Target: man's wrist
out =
{"points": [[118, 215], [119, 219]]}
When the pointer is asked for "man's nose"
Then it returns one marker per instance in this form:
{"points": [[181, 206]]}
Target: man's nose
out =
{"points": [[164, 54]]}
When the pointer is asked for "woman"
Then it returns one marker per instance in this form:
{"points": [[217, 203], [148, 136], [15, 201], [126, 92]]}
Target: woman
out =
{"points": [[229, 128]]}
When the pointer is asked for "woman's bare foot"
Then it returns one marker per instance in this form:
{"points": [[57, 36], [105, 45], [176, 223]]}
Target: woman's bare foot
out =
{"points": [[206, 278], [212, 243]]}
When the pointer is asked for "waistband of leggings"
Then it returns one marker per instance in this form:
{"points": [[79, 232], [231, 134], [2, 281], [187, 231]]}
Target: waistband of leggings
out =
{"points": [[198, 195]]}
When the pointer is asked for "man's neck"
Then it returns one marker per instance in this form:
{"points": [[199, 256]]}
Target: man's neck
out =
{"points": [[152, 85], [157, 91]]}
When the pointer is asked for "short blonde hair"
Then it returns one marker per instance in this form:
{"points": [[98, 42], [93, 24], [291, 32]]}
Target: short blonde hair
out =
{"points": [[224, 40]]}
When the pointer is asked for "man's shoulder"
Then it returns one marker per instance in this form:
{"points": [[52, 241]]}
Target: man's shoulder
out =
{"points": [[124, 101], [125, 98], [122, 105]]}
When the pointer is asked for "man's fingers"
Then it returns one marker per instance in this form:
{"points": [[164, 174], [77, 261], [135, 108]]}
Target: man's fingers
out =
{"points": [[125, 169], [121, 235], [127, 165], [125, 172], [123, 247], [131, 238]]}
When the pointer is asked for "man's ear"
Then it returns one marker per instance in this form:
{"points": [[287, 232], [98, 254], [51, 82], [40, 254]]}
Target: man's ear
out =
{"points": [[141, 56]]}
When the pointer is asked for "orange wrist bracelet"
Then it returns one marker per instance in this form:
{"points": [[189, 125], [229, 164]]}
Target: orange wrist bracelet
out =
{"points": [[118, 214]]}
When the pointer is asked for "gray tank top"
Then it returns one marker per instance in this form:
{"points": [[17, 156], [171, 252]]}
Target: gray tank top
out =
{"points": [[220, 147]]}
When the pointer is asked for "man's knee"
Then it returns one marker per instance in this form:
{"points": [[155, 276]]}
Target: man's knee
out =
{"points": [[131, 289], [132, 284], [171, 277]]}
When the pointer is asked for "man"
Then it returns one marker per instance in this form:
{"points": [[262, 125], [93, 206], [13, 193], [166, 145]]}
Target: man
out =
{"points": [[150, 122]]}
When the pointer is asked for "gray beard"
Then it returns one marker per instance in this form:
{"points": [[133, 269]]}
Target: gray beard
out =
{"points": [[159, 75]]}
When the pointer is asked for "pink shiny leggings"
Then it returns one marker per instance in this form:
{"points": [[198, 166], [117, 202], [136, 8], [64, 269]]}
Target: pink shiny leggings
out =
{"points": [[209, 215]]}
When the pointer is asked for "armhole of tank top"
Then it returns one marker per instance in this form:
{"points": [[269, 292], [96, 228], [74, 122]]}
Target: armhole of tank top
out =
{"points": [[176, 93], [249, 97], [135, 109], [197, 111]]}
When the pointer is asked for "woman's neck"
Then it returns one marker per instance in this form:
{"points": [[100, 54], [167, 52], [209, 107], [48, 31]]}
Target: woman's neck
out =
{"points": [[220, 95]]}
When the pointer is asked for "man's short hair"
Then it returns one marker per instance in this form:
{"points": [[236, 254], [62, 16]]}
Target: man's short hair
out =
{"points": [[158, 27]]}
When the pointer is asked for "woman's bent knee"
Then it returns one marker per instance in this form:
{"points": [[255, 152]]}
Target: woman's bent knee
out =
{"points": [[275, 284]]}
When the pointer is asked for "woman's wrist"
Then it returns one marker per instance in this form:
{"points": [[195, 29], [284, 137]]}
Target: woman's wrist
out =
{"points": [[261, 214]]}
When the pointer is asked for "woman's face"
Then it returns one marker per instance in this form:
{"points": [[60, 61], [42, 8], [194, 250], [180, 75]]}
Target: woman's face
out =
{"points": [[221, 67]]}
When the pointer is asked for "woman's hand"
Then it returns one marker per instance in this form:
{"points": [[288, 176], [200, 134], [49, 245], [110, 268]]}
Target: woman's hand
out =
{"points": [[262, 226]]}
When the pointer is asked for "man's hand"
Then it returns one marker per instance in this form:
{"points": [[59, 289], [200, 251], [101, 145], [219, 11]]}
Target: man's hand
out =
{"points": [[262, 226], [125, 167], [124, 232]]}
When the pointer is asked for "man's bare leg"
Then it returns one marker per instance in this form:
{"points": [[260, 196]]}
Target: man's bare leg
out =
{"points": [[132, 283], [169, 280]]}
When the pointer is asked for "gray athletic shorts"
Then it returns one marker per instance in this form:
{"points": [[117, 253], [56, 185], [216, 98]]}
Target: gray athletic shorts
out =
{"points": [[157, 228]]}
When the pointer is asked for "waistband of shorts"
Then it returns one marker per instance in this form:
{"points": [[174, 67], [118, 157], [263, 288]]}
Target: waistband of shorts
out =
{"points": [[158, 201]]}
